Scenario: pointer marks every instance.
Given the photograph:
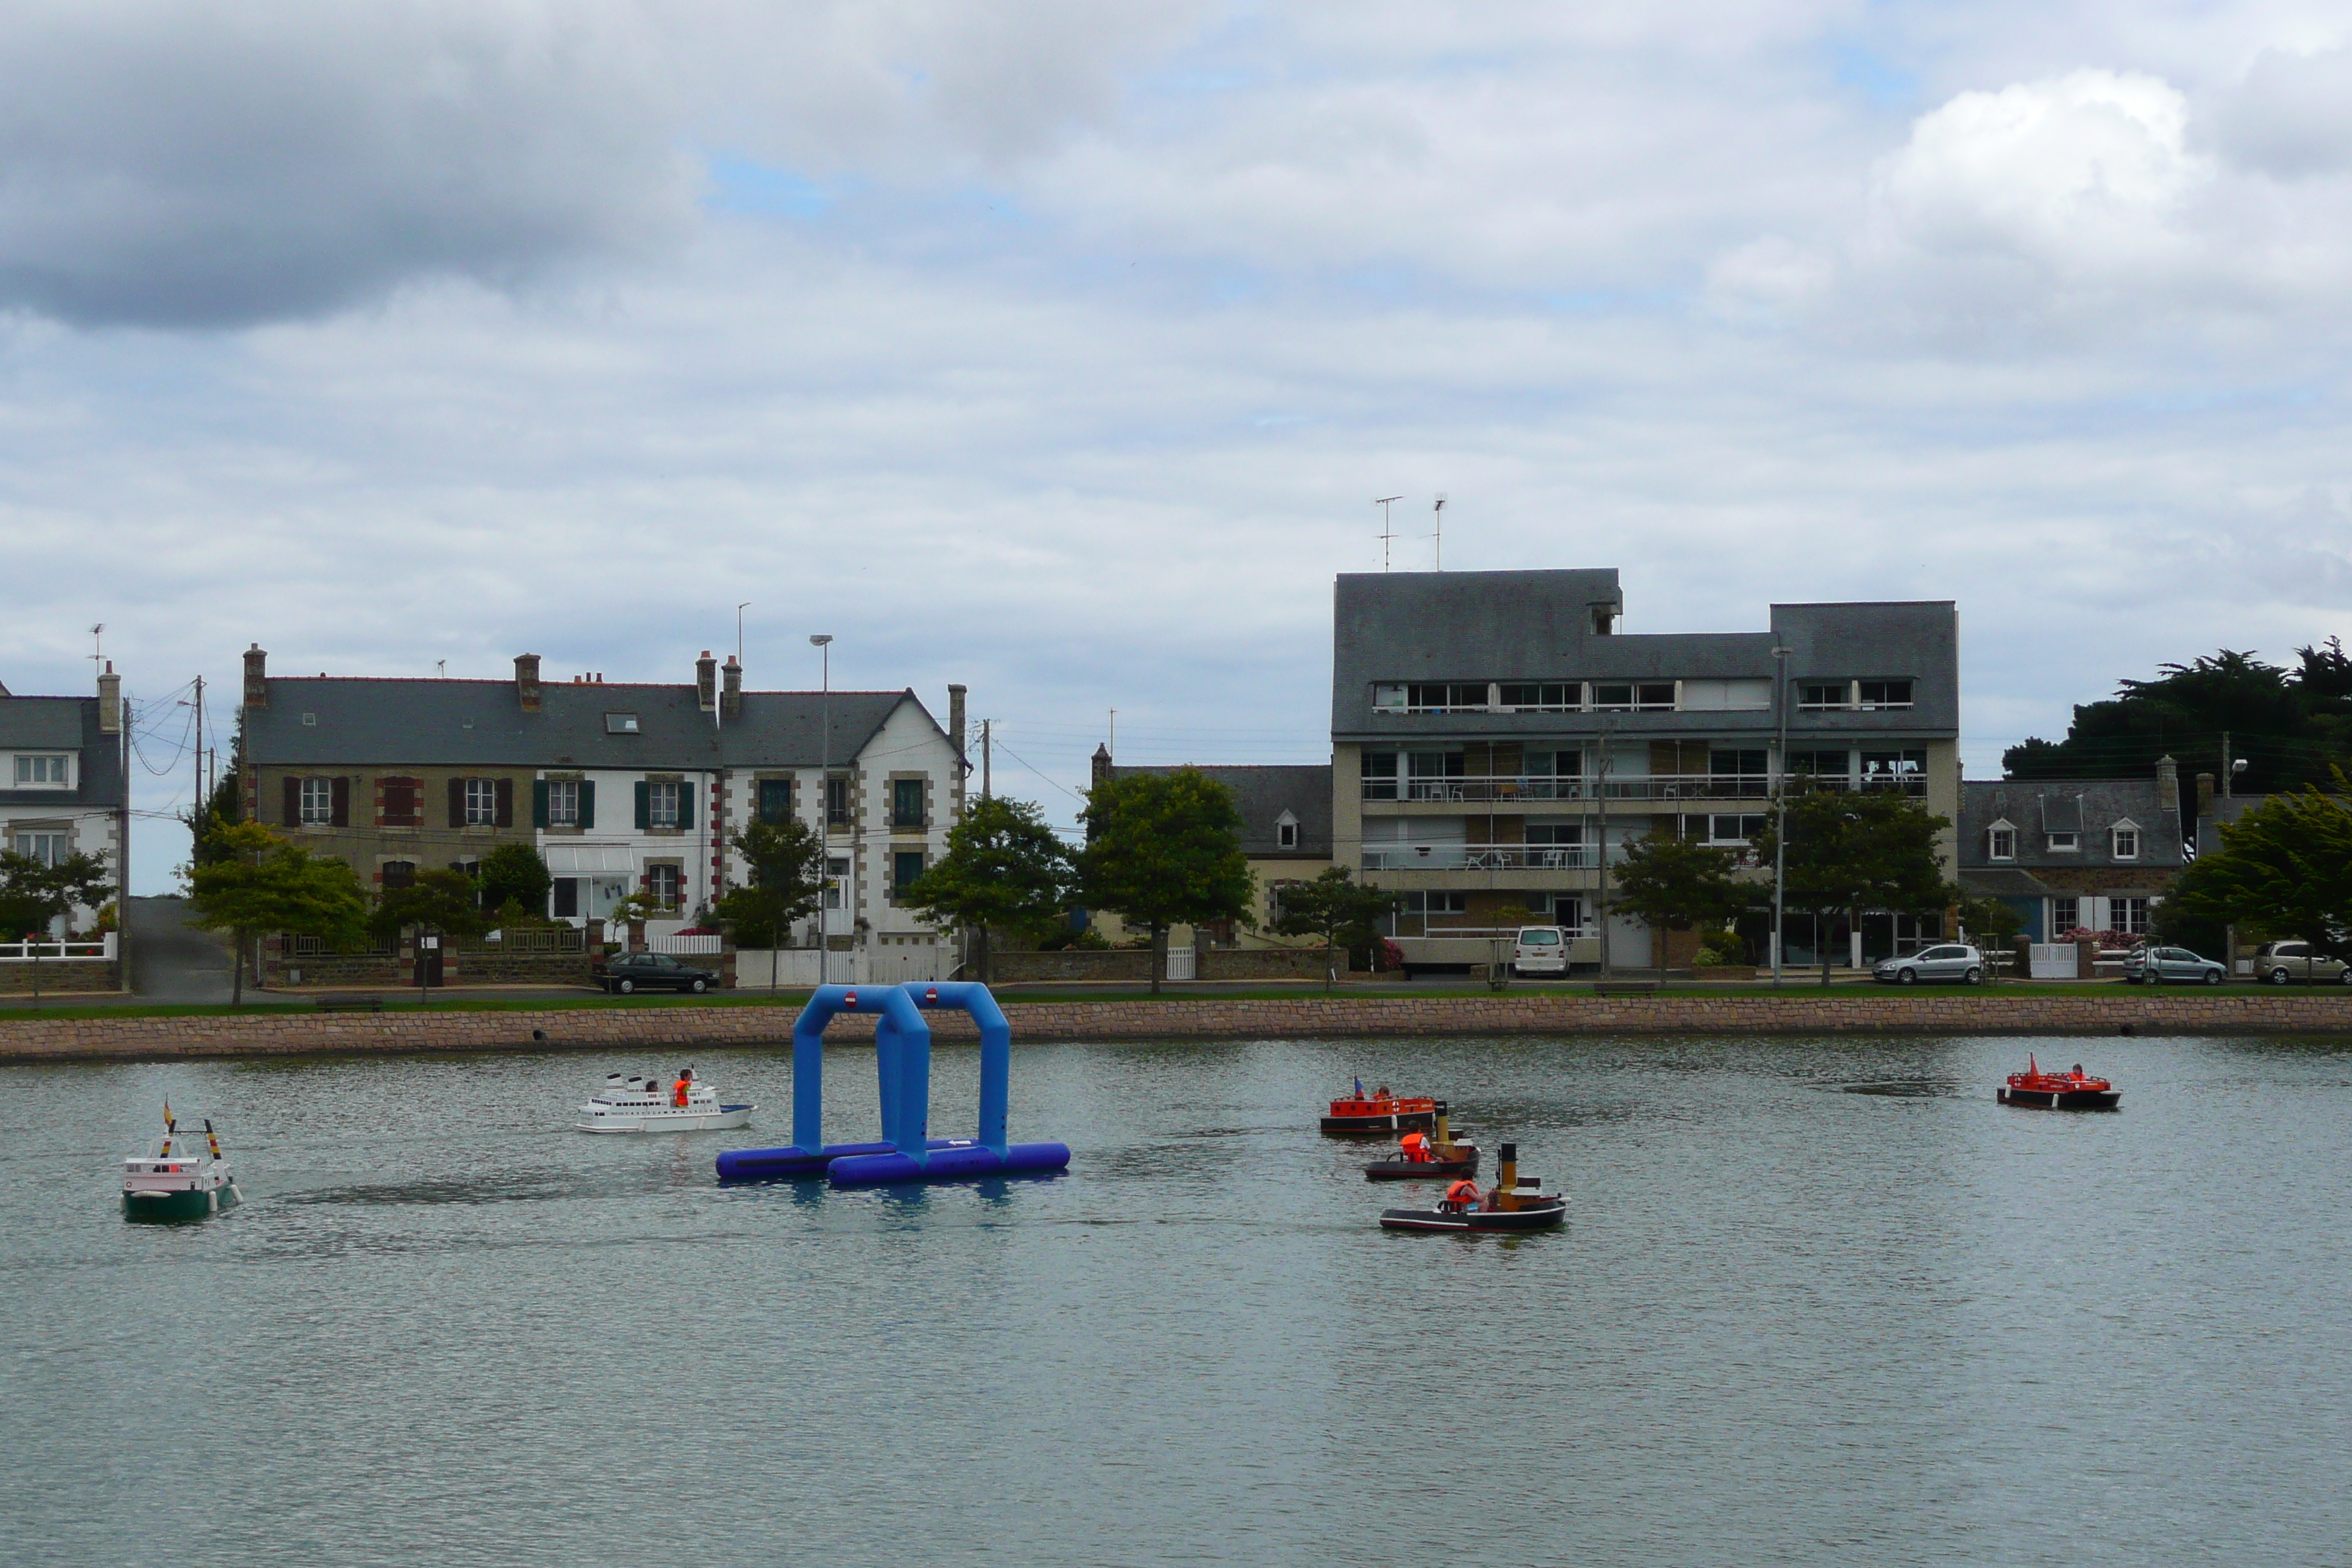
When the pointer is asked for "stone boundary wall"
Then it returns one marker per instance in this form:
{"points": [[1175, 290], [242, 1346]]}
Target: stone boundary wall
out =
{"points": [[67, 1039], [60, 974]]}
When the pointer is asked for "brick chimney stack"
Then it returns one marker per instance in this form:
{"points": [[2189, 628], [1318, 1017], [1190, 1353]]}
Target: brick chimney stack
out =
{"points": [[731, 702], [955, 719], [2204, 797], [257, 677], [527, 681], [2168, 784], [110, 701], [706, 682]]}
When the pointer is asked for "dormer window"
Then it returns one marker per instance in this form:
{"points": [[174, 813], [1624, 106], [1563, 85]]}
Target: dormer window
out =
{"points": [[1285, 831], [38, 771], [620, 723], [2126, 836], [2001, 842], [2066, 843]]}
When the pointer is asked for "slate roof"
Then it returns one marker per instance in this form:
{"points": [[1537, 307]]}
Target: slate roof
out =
{"points": [[1537, 626], [1263, 794], [2088, 806], [452, 724], [1998, 883], [64, 724]]}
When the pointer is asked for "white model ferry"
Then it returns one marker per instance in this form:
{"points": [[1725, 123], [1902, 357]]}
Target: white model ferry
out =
{"points": [[173, 1184], [636, 1104]]}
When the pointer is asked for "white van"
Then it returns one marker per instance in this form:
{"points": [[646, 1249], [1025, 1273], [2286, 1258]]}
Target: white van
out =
{"points": [[1541, 950]]}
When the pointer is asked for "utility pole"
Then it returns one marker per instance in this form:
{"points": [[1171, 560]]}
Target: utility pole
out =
{"points": [[2227, 771], [1781, 809], [1440, 535], [987, 760], [1387, 533], [203, 801]]}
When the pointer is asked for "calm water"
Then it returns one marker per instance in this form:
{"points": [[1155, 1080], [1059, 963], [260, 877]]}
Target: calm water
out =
{"points": [[1789, 1322]]}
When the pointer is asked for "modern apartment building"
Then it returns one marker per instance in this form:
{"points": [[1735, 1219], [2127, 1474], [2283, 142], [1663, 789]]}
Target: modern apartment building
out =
{"points": [[623, 788], [1495, 733], [62, 780]]}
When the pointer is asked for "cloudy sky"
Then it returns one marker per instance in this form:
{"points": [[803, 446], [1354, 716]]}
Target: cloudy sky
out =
{"points": [[1059, 349]]}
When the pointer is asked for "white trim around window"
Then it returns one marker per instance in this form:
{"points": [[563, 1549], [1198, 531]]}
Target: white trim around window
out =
{"points": [[2001, 841]]}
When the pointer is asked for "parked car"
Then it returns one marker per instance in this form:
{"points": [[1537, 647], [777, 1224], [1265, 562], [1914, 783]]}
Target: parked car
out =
{"points": [[1952, 961], [628, 971], [2281, 961], [2161, 966], [1541, 950]]}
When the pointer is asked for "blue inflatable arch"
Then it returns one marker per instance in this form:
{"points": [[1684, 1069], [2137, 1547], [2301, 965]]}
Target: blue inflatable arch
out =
{"points": [[902, 1066]]}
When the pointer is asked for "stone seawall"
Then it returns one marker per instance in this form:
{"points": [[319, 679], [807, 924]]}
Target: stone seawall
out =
{"points": [[99, 1037]]}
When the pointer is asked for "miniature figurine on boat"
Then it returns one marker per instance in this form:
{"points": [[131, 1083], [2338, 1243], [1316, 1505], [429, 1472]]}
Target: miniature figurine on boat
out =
{"points": [[1380, 1111], [172, 1183], [1427, 1156], [645, 1104], [1514, 1203], [2071, 1091]]}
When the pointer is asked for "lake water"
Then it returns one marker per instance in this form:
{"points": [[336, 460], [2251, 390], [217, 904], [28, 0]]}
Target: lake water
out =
{"points": [[1787, 1322]]}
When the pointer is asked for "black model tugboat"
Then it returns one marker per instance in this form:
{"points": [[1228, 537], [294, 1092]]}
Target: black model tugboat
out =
{"points": [[1428, 1156], [2075, 1090], [1514, 1202], [1379, 1112]]}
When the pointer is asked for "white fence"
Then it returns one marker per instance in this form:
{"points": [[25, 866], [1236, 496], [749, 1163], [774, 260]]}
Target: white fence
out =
{"points": [[1180, 963], [2052, 959], [677, 944], [795, 968], [98, 951]]}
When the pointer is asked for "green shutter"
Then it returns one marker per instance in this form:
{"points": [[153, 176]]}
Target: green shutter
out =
{"points": [[539, 803], [645, 810], [687, 790], [587, 802]]}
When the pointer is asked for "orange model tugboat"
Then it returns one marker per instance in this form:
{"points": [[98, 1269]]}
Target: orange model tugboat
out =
{"points": [[2069, 1090], [1514, 1203], [1380, 1111], [1426, 1156]]}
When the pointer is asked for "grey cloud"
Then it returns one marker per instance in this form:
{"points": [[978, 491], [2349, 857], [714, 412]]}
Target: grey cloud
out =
{"points": [[2291, 116]]}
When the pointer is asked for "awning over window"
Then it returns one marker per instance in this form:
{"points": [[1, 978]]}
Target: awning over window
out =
{"points": [[588, 859]]}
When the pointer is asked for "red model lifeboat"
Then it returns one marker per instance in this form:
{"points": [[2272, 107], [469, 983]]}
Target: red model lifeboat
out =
{"points": [[1380, 1111], [2071, 1091]]}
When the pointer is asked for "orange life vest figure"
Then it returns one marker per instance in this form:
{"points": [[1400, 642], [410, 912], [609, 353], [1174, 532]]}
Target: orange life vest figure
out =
{"points": [[677, 1092], [1463, 1196], [1416, 1148]]}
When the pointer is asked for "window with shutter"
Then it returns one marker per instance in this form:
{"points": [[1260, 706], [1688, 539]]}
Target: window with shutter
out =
{"points": [[587, 802], [293, 815], [645, 793], [775, 801], [457, 803], [539, 803], [505, 817], [685, 806], [339, 803]]}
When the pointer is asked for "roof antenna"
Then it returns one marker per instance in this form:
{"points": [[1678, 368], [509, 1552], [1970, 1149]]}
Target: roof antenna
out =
{"points": [[1387, 533], [98, 644], [1440, 534], [443, 666]]}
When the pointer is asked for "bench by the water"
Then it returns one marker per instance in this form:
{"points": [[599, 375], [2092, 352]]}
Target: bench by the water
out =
{"points": [[347, 1002]]}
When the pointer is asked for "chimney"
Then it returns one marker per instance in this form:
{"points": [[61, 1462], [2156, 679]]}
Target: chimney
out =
{"points": [[706, 682], [110, 701], [731, 702], [527, 681], [955, 719], [2168, 785], [2204, 797], [257, 677]]}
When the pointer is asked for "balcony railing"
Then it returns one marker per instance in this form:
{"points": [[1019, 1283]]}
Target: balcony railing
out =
{"points": [[1521, 787], [1575, 933], [1481, 857]]}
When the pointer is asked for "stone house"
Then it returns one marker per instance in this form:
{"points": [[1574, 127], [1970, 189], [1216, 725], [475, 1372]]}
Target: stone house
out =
{"points": [[1286, 812], [2073, 854]]}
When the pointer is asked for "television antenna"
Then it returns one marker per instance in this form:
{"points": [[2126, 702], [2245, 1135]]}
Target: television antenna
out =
{"points": [[1440, 535], [1387, 533], [97, 645]]}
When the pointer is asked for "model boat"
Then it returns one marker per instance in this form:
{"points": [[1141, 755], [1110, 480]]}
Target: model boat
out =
{"points": [[643, 1103], [1427, 1156], [178, 1183], [1380, 1111], [2071, 1091], [1514, 1203]]}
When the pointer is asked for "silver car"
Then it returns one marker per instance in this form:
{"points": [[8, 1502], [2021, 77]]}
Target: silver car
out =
{"points": [[1948, 961], [2172, 965], [2282, 962]]}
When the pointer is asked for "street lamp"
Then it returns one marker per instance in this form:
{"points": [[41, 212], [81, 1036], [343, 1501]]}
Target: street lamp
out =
{"points": [[1779, 805], [822, 643]]}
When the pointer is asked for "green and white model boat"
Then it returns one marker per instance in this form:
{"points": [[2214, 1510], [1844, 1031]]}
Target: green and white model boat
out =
{"points": [[171, 1184]]}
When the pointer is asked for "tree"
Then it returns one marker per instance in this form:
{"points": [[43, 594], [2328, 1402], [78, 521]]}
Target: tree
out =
{"points": [[265, 883], [2285, 869], [513, 873], [33, 893], [788, 879], [444, 902], [1004, 868], [1674, 884], [1164, 848], [2289, 724], [1852, 851], [1335, 906]]}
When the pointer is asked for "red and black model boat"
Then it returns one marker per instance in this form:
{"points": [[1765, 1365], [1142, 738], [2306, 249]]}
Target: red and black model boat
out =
{"points": [[2071, 1091], [1427, 1156], [1380, 1111], [1514, 1202]]}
